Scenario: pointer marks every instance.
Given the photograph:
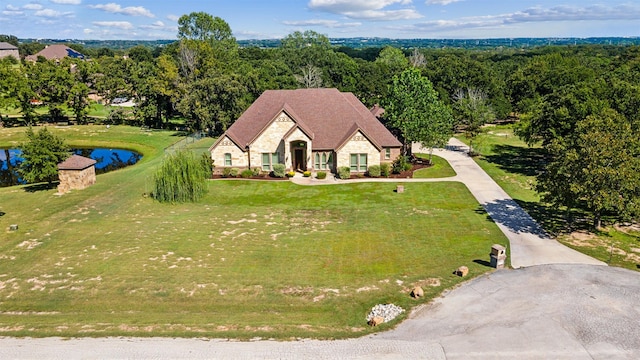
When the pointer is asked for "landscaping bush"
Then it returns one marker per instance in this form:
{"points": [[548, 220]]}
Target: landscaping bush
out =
{"points": [[306, 173], [234, 172], [291, 173], [207, 162], [344, 172], [256, 171], [226, 172], [374, 171], [321, 175], [401, 164], [181, 178], [246, 173], [278, 170], [385, 169]]}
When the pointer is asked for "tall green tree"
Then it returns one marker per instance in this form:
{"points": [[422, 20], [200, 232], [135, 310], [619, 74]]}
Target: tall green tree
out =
{"points": [[42, 153], [596, 168], [413, 109], [472, 110]]}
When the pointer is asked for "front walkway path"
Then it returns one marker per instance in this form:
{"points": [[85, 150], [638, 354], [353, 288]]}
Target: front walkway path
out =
{"points": [[529, 244]]}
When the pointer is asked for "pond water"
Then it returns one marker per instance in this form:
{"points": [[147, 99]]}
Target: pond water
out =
{"points": [[107, 160]]}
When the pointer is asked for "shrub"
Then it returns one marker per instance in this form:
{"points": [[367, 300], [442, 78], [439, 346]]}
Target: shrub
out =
{"points": [[278, 170], [226, 172], [256, 171], [291, 173], [306, 173], [207, 162], [181, 178], [344, 172], [234, 172], [321, 175], [401, 164], [385, 169], [374, 170], [246, 173]]}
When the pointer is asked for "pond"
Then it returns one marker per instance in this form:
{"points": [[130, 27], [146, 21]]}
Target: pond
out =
{"points": [[107, 160]]}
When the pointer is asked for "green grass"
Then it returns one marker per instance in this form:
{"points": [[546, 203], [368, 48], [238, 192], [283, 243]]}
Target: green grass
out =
{"points": [[514, 165], [439, 169], [253, 259]]}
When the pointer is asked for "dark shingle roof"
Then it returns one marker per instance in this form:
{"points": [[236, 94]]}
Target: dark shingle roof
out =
{"points": [[57, 51], [7, 46], [326, 115], [76, 162]]}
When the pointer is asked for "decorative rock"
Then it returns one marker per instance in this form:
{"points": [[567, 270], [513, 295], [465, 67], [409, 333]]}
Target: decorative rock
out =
{"points": [[462, 271], [400, 189], [376, 321], [13, 227], [417, 292], [387, 312]]}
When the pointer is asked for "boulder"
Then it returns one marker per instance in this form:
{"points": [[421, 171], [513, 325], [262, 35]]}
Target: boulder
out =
{"points": [[417, 292], [462, 271], [376, 320]]}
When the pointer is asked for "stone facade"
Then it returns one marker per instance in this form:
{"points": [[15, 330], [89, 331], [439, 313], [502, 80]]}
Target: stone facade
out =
{"points": [[7, 50], [76, 179], [226, 146], [358, 144]]}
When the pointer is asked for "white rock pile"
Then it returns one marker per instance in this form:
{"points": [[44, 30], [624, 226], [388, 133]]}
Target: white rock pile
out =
{"points": [[386, 311]]}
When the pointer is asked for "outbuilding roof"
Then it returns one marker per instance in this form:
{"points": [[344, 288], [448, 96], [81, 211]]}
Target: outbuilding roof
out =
{"points": [[57, 51], [76, 162], [7, 46], [326, 115]]}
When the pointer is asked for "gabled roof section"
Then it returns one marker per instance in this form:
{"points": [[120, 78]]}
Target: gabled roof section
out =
{"points": [[54, 52], [76, 162], [353, 131], [7, 46], [225, 136], [326, 115]]}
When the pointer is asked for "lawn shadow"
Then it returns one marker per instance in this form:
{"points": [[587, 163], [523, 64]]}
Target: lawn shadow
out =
{"points": [[508, 213], [40, 187], [482, 262], [516, 159], [556, 220], [2, 213]]}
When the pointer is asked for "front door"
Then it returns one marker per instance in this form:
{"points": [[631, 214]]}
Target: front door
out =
{"points": [[298, 159]]}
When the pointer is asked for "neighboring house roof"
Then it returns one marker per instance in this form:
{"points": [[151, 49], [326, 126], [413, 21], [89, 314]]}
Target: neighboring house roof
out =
{"points": [[54, 52], [76, 162], [325, 115], [7, 46]]}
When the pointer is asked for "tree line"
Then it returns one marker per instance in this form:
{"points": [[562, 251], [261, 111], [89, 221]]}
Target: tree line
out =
{"points": [[581, 103]]}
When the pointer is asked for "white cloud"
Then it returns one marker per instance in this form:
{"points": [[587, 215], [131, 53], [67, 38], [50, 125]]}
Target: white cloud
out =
{"points": [[366, 9], [12, 13], [67, 2], [88, 31], [532, 15], [159, 25], [442, 2], [49, 13], [129, 10], [12, 8], [173, 17], [325, 23], [124, 25], [32, 7]]}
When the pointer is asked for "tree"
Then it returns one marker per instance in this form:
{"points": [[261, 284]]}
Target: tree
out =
{"points": [[596, 168], [311, 77], [412, 108], [393, 58], [472, 111], [42, 153]]}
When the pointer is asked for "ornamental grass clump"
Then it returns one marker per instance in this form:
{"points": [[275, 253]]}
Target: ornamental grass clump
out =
{"points": [[181, 178]]}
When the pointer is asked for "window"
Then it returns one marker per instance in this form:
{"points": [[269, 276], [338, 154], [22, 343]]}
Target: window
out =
{"points": [[358, 162], [268, 160], [227, 159], [322, 161], [387, 153]]}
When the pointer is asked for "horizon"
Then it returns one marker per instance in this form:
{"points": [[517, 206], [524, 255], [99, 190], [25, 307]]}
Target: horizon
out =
{"points": [[388, 19]]}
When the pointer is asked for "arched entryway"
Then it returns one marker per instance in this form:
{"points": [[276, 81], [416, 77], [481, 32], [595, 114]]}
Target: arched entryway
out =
{"points": [[299, 155]]}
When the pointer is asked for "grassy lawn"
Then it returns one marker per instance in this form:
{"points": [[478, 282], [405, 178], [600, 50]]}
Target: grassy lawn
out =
{"points": [[440, 168], [253, 259], [513, 165]]}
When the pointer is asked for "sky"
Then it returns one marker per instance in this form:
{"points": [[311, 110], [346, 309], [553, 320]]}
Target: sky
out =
{"points": [[272, 19]]}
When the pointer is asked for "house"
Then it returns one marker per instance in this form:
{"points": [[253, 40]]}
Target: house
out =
{"points": [[306, 129], [7, 50], [76, 173], [56, 52]]}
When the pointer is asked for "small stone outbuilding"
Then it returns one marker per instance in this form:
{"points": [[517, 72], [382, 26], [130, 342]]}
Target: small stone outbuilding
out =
{"points": [[76, 173], [7, 49]]}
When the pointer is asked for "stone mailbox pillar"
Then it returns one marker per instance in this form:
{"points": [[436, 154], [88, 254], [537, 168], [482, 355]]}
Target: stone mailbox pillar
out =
{"points": [[498, 256]]}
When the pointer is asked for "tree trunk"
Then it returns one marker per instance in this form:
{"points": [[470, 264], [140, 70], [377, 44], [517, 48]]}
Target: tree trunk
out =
{"points": [[597, 221]]}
